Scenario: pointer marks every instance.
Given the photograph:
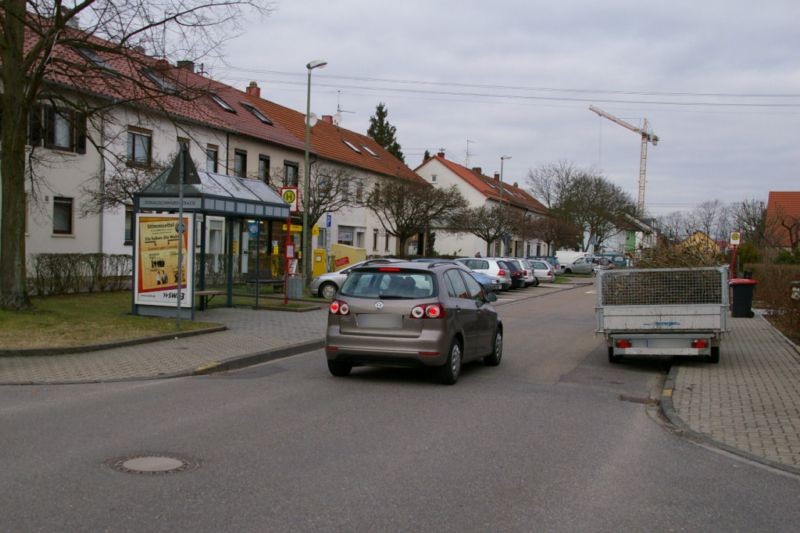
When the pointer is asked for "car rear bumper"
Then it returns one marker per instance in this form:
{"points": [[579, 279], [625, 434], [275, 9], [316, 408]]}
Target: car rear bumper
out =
{"points": [[430, 348]]}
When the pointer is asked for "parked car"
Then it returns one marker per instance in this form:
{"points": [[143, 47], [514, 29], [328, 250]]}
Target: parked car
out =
{"points": [[489, 266], [525, 271], [327, 285], [489, 283], [551, 260], [581, 265], [517, 279], [412, 314], [543, 270]]}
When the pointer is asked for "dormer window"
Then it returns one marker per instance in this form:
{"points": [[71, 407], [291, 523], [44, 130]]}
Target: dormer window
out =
{"points": [[94, 57], [352, 146], [160, 81], [369, 151], [222, 103], [257, 113]]}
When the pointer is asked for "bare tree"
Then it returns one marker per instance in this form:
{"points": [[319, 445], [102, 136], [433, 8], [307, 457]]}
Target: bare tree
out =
{"points": [[46, 57], [674, 226], [331, 190], [405, 209], [487, 222]]}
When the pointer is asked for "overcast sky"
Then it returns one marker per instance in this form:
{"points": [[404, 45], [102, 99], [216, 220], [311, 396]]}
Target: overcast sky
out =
{"points": [[719, 82]]}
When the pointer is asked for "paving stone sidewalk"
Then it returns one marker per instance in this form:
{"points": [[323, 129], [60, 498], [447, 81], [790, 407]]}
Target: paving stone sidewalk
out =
{"points": [[249, 333], [750, 401]]}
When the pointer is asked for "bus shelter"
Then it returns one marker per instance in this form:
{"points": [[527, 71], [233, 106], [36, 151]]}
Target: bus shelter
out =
{"points": [[234, 234]]}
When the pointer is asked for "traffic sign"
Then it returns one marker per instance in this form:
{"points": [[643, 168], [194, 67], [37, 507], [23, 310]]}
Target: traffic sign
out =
{"points": [[290, 196], [736, 238]]}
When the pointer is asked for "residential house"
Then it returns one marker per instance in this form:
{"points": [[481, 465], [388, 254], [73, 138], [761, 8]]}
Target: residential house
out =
{"points": [[480, 190], [783, 218]]}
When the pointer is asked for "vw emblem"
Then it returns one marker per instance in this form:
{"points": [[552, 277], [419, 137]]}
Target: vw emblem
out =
{"points": [[378, 305]]}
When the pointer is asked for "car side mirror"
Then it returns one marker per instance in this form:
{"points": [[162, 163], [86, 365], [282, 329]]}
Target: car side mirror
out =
{"points": [[491, 297]]}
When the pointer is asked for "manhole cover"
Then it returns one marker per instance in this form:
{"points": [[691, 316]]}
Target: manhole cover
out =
{"points": [[152, 464]]}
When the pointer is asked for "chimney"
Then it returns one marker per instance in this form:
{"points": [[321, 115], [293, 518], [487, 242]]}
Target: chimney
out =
{"points": [[496, 176], [327, 118], [478, 170], [186, 64], [440, 153], [516, 185], [253, 90]]}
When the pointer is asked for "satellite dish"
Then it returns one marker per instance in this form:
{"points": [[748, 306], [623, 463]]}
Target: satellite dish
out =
{"points": [[313, 119]]}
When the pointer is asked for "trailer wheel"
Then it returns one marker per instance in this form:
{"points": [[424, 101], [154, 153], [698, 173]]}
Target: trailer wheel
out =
{"points": [[613, 358], [714, 357]]}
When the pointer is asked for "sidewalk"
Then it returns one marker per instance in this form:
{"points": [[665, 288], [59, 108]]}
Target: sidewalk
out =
{"points": [[251, 337], [748, 404]]}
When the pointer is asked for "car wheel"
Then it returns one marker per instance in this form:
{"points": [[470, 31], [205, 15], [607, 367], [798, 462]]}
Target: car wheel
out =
{"points": [[494, 358], [328, 290], [568, 270], [339, 368], [613, 358], [714, 357], [449, 372]]}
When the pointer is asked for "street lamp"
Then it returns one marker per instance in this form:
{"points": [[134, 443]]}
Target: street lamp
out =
{"points": [[502, 189], [317, 63]]}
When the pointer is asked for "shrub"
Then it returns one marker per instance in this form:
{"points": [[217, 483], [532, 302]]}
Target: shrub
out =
{"points": [[773, 293], [72, 273]]}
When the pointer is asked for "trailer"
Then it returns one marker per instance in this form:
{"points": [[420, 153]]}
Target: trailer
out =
{"points": [[662, 311]]}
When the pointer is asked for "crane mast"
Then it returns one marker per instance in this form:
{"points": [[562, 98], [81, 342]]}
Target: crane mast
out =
{"points": [[647, 137]]}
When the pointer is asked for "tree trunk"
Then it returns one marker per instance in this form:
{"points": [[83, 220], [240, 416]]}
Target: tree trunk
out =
{"points": [[13, 286]]}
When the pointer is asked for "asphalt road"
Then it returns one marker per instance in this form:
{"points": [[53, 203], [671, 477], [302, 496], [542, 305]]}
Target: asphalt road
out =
{"points": [[542, 442]]}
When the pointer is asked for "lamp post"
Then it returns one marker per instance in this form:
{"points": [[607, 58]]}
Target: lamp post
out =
{"points": [[502, 189], [317, 63]]}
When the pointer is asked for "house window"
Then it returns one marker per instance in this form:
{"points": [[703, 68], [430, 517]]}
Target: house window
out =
{"points": [[62, 215], [128, 224], [360, 238], [369, 150], [359, 191], [345, 235], [139, 147], [240, 163], [58, 129], [433, 178], [386, 243], [212, 158], [257, 113], [375, 240], [222, 103], [263, 168], [160, 81], [290, 174]]}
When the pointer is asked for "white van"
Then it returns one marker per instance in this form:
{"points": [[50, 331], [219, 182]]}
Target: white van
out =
{"points": [[575, 262]]}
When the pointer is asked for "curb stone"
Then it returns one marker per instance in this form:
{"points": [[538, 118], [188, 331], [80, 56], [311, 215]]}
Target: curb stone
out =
{"points": [[668, 410], [23, 352]]}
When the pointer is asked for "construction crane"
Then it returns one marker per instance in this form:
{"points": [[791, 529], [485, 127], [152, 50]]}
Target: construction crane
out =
{"points": [[647, 137]]}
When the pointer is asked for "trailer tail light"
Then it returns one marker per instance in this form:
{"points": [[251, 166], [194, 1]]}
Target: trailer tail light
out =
{"points": [[623, 343], [339, 308], [700, 343], [428, 311]]}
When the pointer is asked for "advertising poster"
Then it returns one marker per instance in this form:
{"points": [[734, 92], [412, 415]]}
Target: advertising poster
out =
{"points": [[157, 260]]}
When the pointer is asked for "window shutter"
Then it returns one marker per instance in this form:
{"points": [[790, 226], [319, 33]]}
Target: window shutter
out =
{"points": [[49, 126], [80, 132], [35, 126]]}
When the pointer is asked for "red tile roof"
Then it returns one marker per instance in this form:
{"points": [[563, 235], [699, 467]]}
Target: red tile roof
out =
{"points": [[783, 206], [328, 141], [494, 189]]}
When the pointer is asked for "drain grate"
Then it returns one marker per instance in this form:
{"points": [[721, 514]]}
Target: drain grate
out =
{"points": [[152, 464]]}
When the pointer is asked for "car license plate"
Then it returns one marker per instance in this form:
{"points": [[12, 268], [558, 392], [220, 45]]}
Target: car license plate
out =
{"points": [[375, 320]]}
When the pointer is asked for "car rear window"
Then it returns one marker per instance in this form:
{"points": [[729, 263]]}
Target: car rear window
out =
{"points": [[389, 284]]}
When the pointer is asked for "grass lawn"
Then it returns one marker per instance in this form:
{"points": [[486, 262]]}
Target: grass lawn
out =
{"points": [[78, 319]]}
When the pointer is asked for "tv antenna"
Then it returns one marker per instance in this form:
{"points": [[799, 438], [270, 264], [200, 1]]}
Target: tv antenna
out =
{"points": [[466, 160], [337, 119]]}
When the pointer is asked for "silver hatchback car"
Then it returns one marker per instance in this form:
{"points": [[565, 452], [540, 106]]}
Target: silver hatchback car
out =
{"points": [[328, 284], [412, 314]]}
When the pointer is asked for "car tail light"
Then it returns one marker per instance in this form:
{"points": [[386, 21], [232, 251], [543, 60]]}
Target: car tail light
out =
{"points": [[339, 308], [623, 343], [549, 272], [699, 343], [427, 311], [388, 269], [501, 273], [525, 273]]}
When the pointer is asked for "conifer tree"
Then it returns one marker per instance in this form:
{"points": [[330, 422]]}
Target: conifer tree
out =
{"points": [[384, 133]]}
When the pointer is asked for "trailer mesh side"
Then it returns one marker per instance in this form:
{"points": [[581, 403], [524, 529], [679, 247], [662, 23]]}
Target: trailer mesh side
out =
{"points": [[663, 286]]}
